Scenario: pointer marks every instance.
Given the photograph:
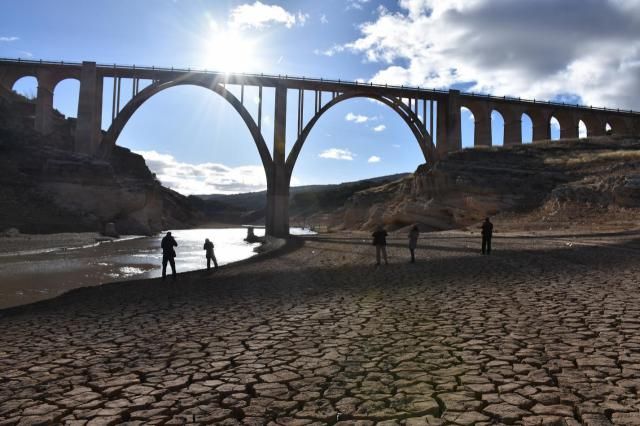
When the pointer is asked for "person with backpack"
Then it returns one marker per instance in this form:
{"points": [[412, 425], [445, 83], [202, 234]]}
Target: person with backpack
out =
{"points": [[413, 241], [168, 255], [487, 233], [208, 248], [380, 241]]}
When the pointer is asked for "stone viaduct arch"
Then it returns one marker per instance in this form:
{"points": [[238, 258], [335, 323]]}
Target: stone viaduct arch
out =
{"points": [[433, 116], [540, 114]]}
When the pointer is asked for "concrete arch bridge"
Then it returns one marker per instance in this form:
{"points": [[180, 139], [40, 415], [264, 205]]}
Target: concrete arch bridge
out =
{"points": [[433, 116]]}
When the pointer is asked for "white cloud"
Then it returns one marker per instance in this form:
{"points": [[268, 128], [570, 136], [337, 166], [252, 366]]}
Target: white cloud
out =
{"points": [[357, 118], [330, 51], [259, 15], [337, 154], [379, 128], [302, 18], [7, 39], [395, 145], [487, 45], [554, 123], [323, 19], [204, 178], [374, 159], [356, 4]]}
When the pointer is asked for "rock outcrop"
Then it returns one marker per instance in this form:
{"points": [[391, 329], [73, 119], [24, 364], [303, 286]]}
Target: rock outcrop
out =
{"points": [[45, 187], [568, 179]]}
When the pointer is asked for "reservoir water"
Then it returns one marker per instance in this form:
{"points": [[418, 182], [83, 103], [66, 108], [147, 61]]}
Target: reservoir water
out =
{"points": [[31, 276]]}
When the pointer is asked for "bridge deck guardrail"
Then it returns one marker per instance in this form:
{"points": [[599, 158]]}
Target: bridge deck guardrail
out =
{"points": [[318, 80]]}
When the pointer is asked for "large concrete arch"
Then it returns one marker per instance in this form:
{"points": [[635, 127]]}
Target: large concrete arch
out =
{"points": [[419, 130], [109, 139]]}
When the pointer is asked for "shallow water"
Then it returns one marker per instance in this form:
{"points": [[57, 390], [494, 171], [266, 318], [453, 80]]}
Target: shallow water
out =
{"points": [[35, 275]]}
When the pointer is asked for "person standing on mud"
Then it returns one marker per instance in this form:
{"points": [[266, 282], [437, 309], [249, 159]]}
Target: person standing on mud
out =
{"points": [[413, 242], [487, 233], [168, 255], [208, 247], [380, 241]]}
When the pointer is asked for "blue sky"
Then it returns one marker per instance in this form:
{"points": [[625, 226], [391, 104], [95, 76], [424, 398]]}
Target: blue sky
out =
{"points": [[585, 50]]}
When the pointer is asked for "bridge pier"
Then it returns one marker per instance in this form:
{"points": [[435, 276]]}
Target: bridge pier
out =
{"points": [[277, 220], [569, 130], [512, 128], [449, 137], [44, 105], [482, 128], [88, 126], [541, 128]]}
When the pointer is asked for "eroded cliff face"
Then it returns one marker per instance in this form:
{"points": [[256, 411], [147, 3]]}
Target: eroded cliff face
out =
{"points": [[44, 187], [564, 181]]}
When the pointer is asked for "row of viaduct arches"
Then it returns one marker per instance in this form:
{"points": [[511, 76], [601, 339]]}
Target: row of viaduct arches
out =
{"points": [[433, 117], [597, 122]]}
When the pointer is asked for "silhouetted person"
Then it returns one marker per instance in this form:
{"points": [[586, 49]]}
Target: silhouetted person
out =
{"points": [[413, 242], [487, 232], [208, 247], [380, 241], [168, 255]]}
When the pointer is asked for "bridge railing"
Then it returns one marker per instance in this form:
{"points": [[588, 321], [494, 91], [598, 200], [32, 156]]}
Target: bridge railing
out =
{"points": [[322, 80]]}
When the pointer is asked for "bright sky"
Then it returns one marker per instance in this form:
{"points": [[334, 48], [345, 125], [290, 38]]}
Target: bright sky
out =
{"points": [[585, 51]]}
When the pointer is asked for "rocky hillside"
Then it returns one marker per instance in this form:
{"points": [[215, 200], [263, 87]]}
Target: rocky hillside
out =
{"points": [[548, 184], [304, 201], [45, 187]]}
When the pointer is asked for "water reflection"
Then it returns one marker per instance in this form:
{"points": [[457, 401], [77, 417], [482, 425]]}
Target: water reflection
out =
{"points": [[27, 277]]}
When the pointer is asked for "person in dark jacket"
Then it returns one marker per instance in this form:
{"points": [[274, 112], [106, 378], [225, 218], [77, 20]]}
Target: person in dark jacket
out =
{"points": [[380, 241], [168, 255], [413, 242], [208, 248], [487, 232]]}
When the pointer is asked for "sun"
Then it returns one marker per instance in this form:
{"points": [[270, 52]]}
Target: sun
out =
{"points": [[230, 51]]}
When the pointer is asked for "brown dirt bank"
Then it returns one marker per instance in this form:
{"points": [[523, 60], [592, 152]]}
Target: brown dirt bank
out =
{"points": [[545, 331]]}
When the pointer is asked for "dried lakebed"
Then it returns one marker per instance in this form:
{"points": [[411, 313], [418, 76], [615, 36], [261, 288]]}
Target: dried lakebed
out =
{"points": [[544, 331]]}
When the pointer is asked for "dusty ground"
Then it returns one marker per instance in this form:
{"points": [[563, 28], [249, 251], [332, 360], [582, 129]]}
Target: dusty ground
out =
{"points": [[546, 330]]}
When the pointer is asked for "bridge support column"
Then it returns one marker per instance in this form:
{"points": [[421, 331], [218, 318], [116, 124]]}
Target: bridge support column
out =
{"points": [[449, 134], [454, 132], [277, 223], [44, 106], [482, 129], [89, 122], [512, 129], [44, 102], [595, 126], [569, 129], [541, 128]]}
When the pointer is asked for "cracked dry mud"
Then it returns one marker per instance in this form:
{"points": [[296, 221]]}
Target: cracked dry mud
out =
{"points": [[539, 333]]}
